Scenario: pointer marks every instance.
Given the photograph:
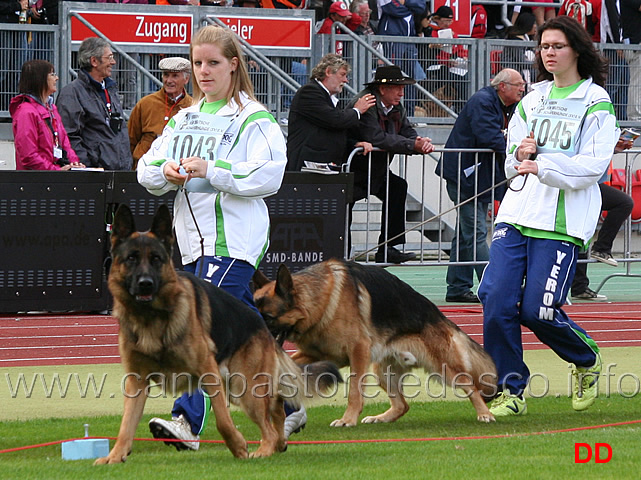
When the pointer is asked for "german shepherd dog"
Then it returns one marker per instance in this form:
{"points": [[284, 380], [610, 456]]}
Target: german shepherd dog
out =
{"points": [[356, 315], [173, 323]]}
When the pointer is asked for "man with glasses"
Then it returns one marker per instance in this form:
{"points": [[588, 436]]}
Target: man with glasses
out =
{"points": [[91, 111], [150, 115], [482, 123]]}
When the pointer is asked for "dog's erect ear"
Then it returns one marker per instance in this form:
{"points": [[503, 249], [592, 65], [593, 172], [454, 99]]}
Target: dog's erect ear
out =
{"points": [[260, 279], [284, 283], [161, 227], [123, 225]]}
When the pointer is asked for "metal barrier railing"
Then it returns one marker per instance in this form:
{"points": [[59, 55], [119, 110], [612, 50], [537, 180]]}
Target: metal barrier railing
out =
{"points": [[441, 91], [19, 43], [635, 192], [428, 190]]}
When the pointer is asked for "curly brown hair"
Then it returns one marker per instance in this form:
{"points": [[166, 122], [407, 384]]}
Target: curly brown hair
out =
{"points": [[590, 62], [332, 61]]}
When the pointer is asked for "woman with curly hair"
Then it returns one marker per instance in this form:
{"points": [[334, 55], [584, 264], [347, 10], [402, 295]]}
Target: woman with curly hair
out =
{"points": [[560, 142]]}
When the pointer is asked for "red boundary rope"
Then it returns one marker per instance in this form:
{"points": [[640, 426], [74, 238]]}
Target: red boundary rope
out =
{"points": [[329, 442]]}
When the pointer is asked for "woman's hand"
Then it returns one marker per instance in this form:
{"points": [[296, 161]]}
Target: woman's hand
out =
{"points": [[527, 149], [528, 166], [71, 165], [170, 170], [194, 166], [623, 145]]}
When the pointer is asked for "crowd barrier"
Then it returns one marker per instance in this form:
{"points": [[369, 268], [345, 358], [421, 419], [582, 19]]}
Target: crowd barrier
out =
{"points": [[54, 227], [142, 34], [429, 204], [54, 232]]}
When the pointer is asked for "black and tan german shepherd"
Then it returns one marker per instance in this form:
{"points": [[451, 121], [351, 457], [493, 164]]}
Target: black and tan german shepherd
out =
{"points": [[356, 315], [173, 323]]}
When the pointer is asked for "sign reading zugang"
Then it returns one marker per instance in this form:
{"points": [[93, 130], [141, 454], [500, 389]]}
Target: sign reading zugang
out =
{"points": [[135, 28]]}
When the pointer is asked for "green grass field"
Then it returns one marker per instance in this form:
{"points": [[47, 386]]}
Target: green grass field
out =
{"points": [[515, 448], [445, 440], [449, 422]]}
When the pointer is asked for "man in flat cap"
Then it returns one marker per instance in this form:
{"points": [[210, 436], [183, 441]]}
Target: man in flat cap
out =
{"points": [[386, 126], [151, 113]]}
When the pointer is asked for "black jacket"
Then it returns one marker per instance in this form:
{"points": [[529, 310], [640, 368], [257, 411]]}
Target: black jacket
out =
{"points": [[391, 132], [9, 12], [317, 129]]}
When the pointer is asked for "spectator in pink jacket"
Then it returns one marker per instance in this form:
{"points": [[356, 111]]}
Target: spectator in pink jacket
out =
{"points": [[41, 142]]}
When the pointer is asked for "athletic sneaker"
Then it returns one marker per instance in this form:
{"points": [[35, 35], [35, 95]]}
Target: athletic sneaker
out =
{"points": [[178, 428], [295, 422], [506, 405], [604, 257], [590, 294], [586, 385]]}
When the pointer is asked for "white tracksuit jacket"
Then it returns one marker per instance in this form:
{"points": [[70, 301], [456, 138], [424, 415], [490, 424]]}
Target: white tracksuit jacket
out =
{"points": [[536, 206], [250, 166]]}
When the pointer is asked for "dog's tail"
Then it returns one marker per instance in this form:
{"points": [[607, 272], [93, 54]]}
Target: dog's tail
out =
{"points": [[296, 384], [481, 368]]}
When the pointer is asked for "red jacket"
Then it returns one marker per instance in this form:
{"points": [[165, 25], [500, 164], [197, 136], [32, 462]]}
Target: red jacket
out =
{"points": [[457, 50], [352, 24], [32, 131], [596, 18]]}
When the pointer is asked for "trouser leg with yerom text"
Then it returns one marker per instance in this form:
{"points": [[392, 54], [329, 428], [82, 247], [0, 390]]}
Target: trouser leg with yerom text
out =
{"points": [[526, 283]]}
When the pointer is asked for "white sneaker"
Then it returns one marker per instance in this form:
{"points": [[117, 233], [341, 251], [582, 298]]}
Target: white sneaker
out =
{"points": [[177, 429], [295, 422]]}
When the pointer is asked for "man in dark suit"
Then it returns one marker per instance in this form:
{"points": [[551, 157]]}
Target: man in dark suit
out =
{"points": [[317, 127]]}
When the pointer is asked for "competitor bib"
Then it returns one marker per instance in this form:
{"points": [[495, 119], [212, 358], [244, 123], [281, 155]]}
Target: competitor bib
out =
{"points": [[198, 135], [556, 124]]}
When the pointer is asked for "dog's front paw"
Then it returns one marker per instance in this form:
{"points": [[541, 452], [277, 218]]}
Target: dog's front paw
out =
{"points": [[342, 423], [240, 451], [486, 418], [110, 459], [373, 419]]}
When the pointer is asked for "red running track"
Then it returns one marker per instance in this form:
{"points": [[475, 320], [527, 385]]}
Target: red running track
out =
{"points": [[77, 339]]}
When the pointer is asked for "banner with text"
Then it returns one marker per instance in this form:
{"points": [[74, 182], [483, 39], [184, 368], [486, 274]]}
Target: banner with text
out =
{"points": [[135, 28], [272, 32]]}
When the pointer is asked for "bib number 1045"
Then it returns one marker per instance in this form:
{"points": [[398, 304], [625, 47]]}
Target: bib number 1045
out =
{"points": [[553, 135]]}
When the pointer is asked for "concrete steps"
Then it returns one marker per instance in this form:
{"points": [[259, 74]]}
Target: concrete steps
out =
{"points": [[425, 238]]}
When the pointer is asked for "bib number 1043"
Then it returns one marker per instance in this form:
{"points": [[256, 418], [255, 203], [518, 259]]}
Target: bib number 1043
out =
{"points": [[189, 145]]}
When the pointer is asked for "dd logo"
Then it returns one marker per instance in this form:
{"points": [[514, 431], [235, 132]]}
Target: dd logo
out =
{"points": [[598, 458]]}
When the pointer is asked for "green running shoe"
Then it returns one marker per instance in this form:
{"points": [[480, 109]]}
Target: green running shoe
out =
{"points": [[586, 385], [506, 404]]}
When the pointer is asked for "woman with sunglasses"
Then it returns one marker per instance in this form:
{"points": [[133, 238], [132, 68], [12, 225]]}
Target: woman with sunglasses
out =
{"points": [[560, 142], [41, 142]]}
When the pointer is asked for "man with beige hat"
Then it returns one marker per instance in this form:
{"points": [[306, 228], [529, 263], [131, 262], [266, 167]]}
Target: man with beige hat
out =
{"points": [[151, 113]]}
